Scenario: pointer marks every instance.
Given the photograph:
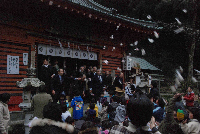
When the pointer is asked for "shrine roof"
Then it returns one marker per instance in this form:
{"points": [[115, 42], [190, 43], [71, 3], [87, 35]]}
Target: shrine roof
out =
{"points": [[110, 12]]}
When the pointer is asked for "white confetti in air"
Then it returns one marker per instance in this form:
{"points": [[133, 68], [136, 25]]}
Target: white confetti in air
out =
{"points": [[197, 70], [149, 17], [156, 34], [143, 51], [105, 61], [60, 43], [194, 80], [184, 10], [119, 69], [113, 48], [129, 54], [123, 61], [104, 47], [129, 59], [117, 27], [150, 40], [135, 43], [137, 49], [178, 30], [50, 2], [111, 37], [178, 21], [131, 44], [121, 44]]}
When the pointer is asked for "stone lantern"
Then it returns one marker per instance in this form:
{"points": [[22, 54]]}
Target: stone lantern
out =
{"points": [[31, 83]]}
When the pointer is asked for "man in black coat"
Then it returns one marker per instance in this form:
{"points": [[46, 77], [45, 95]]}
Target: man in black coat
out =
{"points": [[97, 84], [119, 81], [58, 84], [45, 75], [107, 80]]}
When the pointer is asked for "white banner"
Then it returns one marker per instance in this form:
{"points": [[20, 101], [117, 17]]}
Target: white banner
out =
{"points": [[91, 56], [84, 55], [42, 49], [68, 53], [76, 54], [60, 51], [12, 64], [51, 50], [25, 59]]}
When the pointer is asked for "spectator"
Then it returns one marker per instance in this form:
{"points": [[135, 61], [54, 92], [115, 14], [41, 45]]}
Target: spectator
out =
{"points": [[4, 113], [118, 82], [88, 127], [112, 108], [169, 125], [77, 104], [121, 111], [52, 122], [63, 100], [106, 125], [193, 125], [154, 90], [189, 97], [91, 113], [103, 114], [39, 101], [95, 108], [107, 80], [159, 110], [139, 110], [65, 113]]}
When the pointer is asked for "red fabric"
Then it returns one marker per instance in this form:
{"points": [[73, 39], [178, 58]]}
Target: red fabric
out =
{"points": [[189, 99]]}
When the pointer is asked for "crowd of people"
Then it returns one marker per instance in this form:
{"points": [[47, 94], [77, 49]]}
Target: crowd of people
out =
{"points": [[128, 111]]}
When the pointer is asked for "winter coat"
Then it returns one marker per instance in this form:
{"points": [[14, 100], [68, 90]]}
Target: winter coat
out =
{"points": [[4, 117], [91, 114], [120, 113], [158, 113], [112, 110], [77, 104], [103, 114], [96, 109], [192, 127], [47, 126], [38, 102], [189, 99]]}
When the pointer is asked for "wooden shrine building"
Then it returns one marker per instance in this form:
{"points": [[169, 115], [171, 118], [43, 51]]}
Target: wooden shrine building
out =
{"points": [[73, 32]]}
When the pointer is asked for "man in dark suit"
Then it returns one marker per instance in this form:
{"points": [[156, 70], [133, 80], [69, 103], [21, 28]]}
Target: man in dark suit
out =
{"points": [[97, 85], [58, 84], [107, 80], [45, 75], [119, 81]]}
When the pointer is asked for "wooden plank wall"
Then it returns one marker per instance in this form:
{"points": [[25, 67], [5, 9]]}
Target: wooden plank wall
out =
{"points": [[8, 81]]}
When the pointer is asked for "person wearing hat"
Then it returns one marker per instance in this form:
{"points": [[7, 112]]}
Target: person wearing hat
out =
{"points": [[193, 125]]}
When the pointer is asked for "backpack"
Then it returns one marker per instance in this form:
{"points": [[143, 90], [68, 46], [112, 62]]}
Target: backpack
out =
{"points": [[120, 113]]}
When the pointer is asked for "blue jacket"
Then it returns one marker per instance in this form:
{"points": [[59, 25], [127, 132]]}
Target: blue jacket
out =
{"points": [[77, 104], [158, 113]]}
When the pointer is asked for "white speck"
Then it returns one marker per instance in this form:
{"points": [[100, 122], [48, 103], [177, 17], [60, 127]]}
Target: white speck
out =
{"points": [[178, 30], [150, 40], [178, 21], [130, 54], [143, 51], [111, 37], [119, 69], [123, 61], [131, 44], [113, 48], [156, 34], [137, 49], [121, 44], [184, 10], [149, 17], [135, 43], [129, 59], [105, 61]]}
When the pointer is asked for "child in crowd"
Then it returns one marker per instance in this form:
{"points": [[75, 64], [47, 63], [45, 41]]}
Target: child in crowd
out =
{"points": [[63, 100], [95, 108], [103, 114], [77, 104], [91, 113], [106, 126], [65, 113]]}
